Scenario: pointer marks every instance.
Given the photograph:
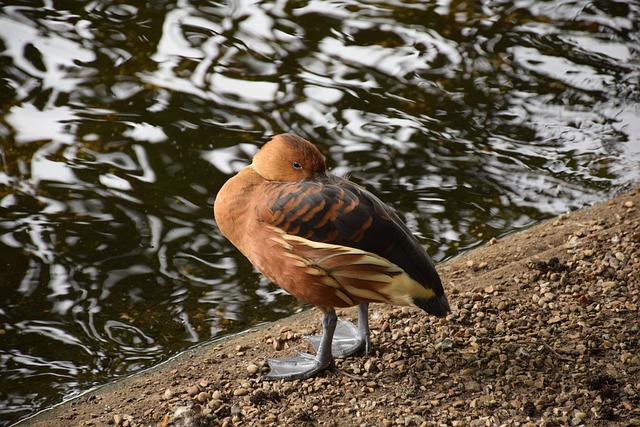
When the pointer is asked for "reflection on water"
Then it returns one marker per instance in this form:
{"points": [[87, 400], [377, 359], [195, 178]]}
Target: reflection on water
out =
{"points": [[119, 123]]}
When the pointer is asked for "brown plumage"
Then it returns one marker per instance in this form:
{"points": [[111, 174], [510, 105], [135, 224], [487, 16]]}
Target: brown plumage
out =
{"points": [[323, 239]]}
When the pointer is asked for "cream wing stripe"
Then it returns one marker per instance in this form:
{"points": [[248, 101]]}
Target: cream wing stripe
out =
{"points": [[392, 284]]}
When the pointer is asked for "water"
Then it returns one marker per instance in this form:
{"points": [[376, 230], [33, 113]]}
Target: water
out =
{"points": [[120, 121]]}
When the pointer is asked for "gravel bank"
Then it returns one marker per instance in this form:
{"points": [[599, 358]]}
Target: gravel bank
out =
{"points": [[545, 331]]}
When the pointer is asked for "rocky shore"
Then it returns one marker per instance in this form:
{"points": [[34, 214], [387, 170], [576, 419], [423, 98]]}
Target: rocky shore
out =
{"points": [[545, 331]]}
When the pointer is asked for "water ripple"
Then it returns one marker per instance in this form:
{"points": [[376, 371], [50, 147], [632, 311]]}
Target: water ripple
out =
{"points": [[120, 122]]}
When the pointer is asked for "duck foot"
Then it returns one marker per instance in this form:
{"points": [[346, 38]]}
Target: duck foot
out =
{"points": [[299, 367], [305, 365], [347, 340]]}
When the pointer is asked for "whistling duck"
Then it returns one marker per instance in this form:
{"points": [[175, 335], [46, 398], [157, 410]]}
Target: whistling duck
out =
{"points": [[325, 241]]}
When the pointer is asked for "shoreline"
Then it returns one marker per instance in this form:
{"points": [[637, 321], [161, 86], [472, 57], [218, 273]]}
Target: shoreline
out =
{"points": [[545, 330]]}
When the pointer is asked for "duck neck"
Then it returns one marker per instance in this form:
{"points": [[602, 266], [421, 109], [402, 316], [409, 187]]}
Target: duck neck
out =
{"points": [[231, 207]]}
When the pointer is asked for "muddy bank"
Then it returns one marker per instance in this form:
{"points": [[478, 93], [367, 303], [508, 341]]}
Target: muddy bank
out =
{"points": [[545, 330]]}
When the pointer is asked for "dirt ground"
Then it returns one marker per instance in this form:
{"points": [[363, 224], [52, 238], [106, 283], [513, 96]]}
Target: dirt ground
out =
{"points": [[545, 331]]}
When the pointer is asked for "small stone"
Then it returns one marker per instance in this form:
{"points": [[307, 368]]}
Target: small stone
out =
{"points": [[216, 395], [252, 369], [168, 394], [240, 391], [202, 397], [368, 365], [277, 344], [472, 386], [117, 420], [554, 319], [447, 344], [193, 390], [628, 204]]}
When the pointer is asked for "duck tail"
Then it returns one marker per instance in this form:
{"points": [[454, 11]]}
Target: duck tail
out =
{"points": [[437, 306]]}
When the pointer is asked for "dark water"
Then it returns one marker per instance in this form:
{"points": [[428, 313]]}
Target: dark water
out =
{"points": [[119, 122]]}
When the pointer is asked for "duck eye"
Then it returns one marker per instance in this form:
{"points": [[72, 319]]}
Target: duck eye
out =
{"points": [[296, 165]]}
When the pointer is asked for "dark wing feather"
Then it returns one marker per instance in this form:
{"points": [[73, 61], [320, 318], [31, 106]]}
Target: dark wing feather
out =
{"points": [[334, 210]]}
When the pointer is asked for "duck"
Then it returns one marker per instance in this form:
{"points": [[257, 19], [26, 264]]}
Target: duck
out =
{"points": [[326, 241]]}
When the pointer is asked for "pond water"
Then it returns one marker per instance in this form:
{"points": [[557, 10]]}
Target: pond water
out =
{"points": [[119, 122]]}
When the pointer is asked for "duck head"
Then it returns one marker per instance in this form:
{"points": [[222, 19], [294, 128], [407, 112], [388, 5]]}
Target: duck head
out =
{"points": [[288, 158]]}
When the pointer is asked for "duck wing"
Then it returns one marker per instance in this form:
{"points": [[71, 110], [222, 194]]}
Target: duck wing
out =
{"points": [[333, 210]]}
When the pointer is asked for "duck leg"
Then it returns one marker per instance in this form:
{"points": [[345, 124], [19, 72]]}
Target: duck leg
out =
{"points": [[348, 339], [305, 365], [363, 325]]}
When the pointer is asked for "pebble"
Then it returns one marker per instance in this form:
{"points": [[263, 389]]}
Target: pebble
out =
{"points": [[514, 336], [270, 419], [472, 386], [168, 394], [240, 391], [554, 319], [202, 397]]}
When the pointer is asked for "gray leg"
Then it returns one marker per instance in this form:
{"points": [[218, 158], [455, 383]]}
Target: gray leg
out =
{"points": [[305, 365], [363, 325], [348, 339]]}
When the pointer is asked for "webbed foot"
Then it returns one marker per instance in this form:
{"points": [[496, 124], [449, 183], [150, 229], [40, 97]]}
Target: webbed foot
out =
{"points": [[347, 340], [299, 367], [304, 365]]}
